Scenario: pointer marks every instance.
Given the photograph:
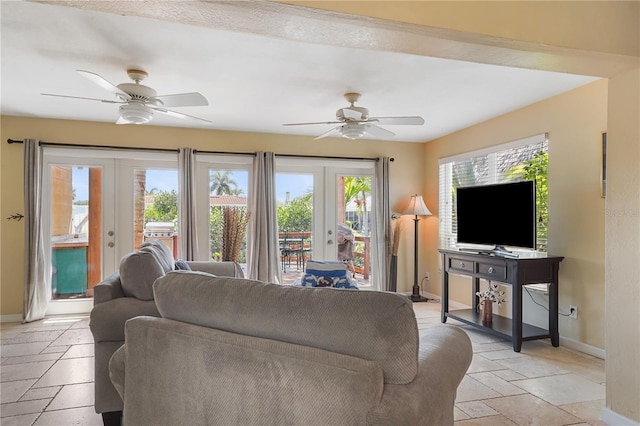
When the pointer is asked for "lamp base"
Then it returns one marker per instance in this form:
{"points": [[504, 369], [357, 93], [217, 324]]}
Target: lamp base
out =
{"points": [[418, 298]]}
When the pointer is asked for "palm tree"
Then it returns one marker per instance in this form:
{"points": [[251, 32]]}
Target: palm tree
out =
{"points": [[357, 189], [223, 184]]}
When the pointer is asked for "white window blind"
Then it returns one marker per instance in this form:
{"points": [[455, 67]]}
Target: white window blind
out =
{"points": [[524, 159]]}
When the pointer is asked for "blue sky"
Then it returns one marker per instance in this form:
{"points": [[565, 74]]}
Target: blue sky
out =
{"points": [[167, 180]]}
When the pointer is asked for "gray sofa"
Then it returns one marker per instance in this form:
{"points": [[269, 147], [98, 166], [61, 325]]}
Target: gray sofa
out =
{"points": [[241, 352], [126, 294]]}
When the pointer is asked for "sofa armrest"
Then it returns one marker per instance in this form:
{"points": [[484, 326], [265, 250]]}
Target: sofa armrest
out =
{"points": [[116, 370], [444, 357], [221, 269], [108, 289], [107, 319]]}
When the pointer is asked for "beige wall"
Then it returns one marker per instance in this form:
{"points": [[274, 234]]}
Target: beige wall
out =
{"points": [[622, 301], [574, 122], [406, 172]]}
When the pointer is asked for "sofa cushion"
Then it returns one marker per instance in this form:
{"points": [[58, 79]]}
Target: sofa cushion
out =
{"points": [[138, 271], [372, 325], [161, 252]]}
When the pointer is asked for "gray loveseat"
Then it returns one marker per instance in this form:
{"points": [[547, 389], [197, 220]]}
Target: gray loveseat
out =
{"points": [[241, 352], [126, 294]]}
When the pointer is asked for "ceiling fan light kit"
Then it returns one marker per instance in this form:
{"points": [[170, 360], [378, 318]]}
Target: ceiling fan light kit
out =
{"points": [[136, 113], [354, 122]]}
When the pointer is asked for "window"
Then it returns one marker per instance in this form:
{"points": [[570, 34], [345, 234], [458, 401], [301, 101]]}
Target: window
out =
{"points": [[525, 159]]}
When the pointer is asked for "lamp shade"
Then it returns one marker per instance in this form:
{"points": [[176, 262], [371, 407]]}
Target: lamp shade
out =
{"points": [[416, 207]]}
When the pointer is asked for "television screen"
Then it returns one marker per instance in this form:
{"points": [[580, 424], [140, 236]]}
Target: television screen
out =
{"points": [[500, 215]]}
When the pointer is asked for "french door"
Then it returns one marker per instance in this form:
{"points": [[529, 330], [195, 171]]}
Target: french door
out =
{"points": [[99, 203], [331, 200]]}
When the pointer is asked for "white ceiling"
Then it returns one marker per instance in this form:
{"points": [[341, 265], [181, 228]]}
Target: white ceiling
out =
{"points": [[253, 82]]}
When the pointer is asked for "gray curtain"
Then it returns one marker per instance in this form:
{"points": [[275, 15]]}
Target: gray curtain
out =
{"points": [[381, 230], [188, 235], [36, 282], [263, 251]]}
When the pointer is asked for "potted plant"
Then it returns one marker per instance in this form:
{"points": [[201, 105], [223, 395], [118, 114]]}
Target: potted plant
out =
{"points": [[487, 298]]}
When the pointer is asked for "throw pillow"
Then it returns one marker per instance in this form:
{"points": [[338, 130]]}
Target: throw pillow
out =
{"points": [[326, 273], [182, 265], [138, 272]]}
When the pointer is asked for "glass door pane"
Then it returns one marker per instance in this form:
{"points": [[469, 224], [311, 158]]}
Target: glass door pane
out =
{"points": [[78, 257], [295, 214], [228, 215]]}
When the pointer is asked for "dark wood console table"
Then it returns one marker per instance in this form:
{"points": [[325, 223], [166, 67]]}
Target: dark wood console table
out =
{"points": [[516, 272]]}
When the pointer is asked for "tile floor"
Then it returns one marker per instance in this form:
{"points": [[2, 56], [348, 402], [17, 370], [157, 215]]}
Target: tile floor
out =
{"points": [[46, 371]]}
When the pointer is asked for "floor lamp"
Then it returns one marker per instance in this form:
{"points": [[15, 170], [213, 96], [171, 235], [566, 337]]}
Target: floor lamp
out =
{"points": [[416, 207]]}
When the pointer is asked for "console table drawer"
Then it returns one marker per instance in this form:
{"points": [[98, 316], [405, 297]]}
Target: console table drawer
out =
{"points": [[465, 265], [492, 271]]}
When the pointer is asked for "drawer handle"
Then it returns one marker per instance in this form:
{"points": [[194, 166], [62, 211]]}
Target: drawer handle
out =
{"points": [[491, 269], [462, 264]]}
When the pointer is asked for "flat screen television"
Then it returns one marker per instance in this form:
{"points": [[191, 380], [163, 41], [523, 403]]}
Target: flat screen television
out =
{"points": [[498, 215]]}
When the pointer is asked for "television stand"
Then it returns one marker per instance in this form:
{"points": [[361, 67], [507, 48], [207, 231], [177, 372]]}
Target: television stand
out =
{"points": [[516, 272]]}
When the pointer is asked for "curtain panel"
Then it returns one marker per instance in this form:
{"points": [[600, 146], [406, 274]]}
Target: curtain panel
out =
{"points": [[36, 280], [381, 251], [188, 234], [263, 251]]}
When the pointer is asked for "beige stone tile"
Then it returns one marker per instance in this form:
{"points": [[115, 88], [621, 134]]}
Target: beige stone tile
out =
{"points": [[488, 347], [480, 363], [587, 366], [528, 410], [589, 411], [67, 372], [31, 370], [30, 358], [12, 391], [73, 396], [84, 416], [458, 414], [19, 408], [472, 390], [563, 389], [497, 384], [531, 367], [503, 354], [22, 349], [487, 421], [41, 393], [477, 409], [508, 375], [74, 336], [56, 350], [477, 336], [79, 351], [33, 336], [23, 420]]}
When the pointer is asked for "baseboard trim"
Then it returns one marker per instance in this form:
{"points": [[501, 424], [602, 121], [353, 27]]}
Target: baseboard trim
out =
{"points": [[610, 417], [582, 347], [11, 318]]}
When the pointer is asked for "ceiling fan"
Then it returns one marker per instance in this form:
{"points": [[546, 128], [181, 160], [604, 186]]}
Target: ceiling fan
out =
{"points": [[354, 122], [138, 102]]}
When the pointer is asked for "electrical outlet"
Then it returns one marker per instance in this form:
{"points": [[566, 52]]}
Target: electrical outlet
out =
{"points": [[573, 312], [427, 276]]}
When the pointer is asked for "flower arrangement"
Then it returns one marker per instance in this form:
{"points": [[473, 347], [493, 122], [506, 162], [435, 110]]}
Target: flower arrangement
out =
{"points": [[492, 294]]}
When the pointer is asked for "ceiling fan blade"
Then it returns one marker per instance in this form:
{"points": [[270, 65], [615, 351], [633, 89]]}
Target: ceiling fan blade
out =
{"points": [[319, 122], [181, 100], [379, 132], [415, 120], [178, 114], [351, 114], [105, 84], [329, 133], [80, 97]]}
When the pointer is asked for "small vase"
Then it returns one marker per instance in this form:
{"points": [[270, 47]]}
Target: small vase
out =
{"points": [[487, 311]]}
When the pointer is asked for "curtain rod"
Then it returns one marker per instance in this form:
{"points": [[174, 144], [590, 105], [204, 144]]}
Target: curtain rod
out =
{"points": [[70, 145]]}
